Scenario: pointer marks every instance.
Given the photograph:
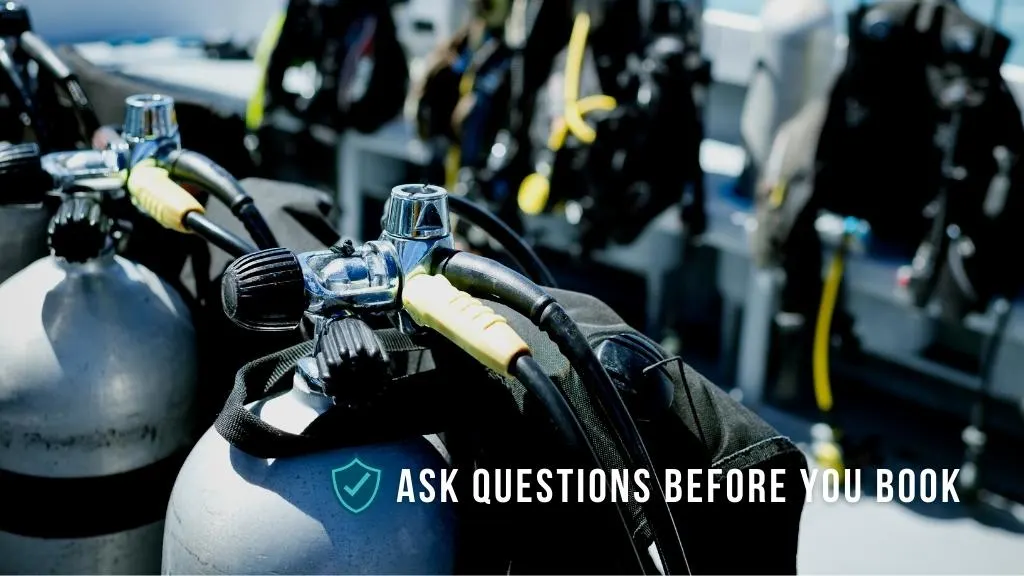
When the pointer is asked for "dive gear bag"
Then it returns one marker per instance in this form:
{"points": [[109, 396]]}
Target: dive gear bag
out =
{"points": [[489, 422]]}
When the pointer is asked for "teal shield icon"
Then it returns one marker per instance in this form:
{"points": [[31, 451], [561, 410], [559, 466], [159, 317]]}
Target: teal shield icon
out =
{"points": [[356, 485]]}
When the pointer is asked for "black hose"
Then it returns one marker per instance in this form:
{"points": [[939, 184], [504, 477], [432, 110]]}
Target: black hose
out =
{"points": [[486, 278], [517, 248], [14, 85], [199, 170], [40, 51], [536, 381], [219, 237], [532, 376]]}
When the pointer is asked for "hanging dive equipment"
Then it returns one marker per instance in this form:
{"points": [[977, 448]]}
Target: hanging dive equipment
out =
{"points": [[961, 134], [357, 75], [609, 176]]}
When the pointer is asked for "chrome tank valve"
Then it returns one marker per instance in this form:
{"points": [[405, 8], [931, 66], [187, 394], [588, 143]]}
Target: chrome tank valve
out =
{"points": [[150, 126], [416, 220], [273, 289], [82, 167]]}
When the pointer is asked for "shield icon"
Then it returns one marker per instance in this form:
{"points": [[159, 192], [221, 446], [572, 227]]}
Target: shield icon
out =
{"points": [[355, 485]]}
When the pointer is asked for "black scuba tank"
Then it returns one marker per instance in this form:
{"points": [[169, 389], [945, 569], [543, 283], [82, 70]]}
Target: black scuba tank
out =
{"points": [[25, 207]]}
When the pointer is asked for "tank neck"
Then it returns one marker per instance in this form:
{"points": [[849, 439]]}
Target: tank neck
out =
{"points": [[306, 385], [102, 261]]}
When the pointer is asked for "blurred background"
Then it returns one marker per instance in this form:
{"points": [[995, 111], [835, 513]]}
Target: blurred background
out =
{"points": [[725, 243]]}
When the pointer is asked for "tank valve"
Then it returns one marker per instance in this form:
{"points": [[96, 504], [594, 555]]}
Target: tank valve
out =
{"points": [[272, 289], [80, 166], [150, 126], [79, 231], [265, 291], [349, 363], [416, 219]]}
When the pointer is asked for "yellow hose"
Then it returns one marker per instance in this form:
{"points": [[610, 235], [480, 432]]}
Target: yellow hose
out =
{"points": [[535, 189], [573, 71], [823, 330], [264, 50], [584, 106]]}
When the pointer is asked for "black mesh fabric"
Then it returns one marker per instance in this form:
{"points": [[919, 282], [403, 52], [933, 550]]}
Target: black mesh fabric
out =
{"points": [[705, 428]]}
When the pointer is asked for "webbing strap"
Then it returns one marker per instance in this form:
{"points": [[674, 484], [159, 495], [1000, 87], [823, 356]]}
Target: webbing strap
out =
{"points": [[269, 375]]}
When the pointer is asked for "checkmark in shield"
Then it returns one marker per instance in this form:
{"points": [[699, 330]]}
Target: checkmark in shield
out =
{"points": [[356, 485]]}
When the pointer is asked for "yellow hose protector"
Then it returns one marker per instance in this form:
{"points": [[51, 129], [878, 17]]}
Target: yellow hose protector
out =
{"points": [[153, 192], [433, 302], [823, 330], [265, 48]]}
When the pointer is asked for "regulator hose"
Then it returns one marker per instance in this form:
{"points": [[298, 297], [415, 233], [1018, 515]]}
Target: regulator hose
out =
{"points": [[517, 248], [532, 376], [219, 237], [487, 278], [39, 51], [14, 85], [154, 193], [826, 448], [535, 189], [197, 169], [434, 302]]}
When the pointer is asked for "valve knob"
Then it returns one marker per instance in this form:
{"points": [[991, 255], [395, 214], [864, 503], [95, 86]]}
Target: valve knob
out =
{"points": [[350, 357], [79, 231], [13, 19], [265, 291]]}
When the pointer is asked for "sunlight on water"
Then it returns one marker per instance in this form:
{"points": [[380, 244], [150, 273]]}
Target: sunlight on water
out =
{"points": [[1011, 22]]}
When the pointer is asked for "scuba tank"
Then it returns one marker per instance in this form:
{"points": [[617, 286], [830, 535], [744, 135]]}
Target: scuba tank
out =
{"points": [[85, 423], [299, 471], [229, 510], [796, 53], [26, 113], [97, 386], [321, 498], [24, 207]]}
